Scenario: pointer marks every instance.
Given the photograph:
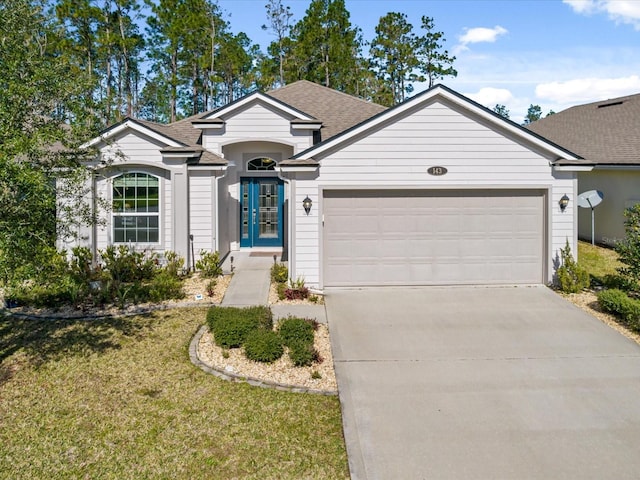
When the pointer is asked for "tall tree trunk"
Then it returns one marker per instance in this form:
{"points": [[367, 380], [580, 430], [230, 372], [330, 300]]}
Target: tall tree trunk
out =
{"points": [[174, 86]]}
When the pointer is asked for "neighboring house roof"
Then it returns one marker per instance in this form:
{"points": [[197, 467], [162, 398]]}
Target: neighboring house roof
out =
{"points": [[338, 111], [604, 133], [309, 157]]}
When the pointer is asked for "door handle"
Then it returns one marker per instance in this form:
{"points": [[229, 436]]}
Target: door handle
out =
{"points": [[254, 216]]}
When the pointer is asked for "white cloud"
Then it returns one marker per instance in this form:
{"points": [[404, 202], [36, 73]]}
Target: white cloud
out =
{"points": [[623, 11], [479, 35], [583, 90], [581, 6], [490, 97]]}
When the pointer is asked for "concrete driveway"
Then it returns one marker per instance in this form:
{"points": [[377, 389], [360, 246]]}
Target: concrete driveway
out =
{"points": [[483, 383]]}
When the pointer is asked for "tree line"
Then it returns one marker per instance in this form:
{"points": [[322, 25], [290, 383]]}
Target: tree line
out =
{"points": [[162, 60]]}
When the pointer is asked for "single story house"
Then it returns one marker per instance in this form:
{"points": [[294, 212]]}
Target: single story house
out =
{"points": [[607, 135], [435, 191]]}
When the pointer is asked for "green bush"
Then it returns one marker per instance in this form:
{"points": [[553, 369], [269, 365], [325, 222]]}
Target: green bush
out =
{"points": [[279, 273], [629, 248], [618, 303], [302, 354], [263, 316], [620, 282], [124, 264], [209, 264], [81, 264], [281, 289], [263, 346], [293, 329], [231, 325], [165, 286], [175, 264], [572, 278]]}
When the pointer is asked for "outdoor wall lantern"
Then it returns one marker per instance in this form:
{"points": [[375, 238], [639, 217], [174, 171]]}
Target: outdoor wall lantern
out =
{"points": [[563, 202], [306, 204]]}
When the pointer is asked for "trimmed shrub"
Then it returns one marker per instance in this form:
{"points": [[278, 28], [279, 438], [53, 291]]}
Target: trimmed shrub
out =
{"points": [[302, 354], [279, 273], [263, 346], [281, 288], [209, 264], [620, 282], [231, 325], [293, 330], [618, 303], [164, 286], [262, 315], [572, 278]]}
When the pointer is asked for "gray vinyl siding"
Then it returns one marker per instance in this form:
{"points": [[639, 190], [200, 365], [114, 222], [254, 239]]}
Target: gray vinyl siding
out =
{"points": [[398, 155], [255, 123], [202, 211]]}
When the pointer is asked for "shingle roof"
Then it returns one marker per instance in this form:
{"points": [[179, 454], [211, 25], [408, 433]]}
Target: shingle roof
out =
{"points": [[182, 130], [605, 132], [336, 110]]}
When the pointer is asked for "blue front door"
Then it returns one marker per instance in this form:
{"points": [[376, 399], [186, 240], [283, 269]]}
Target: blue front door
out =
{"points": [[261, 216]]}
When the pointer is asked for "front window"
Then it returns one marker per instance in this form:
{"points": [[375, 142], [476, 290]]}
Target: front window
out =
{"points": [[136, 203]]}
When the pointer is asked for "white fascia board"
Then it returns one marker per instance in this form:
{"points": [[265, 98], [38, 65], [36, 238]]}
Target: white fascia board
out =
{"points": [[263, 98], [426, 98], [292, 169], [572, 168], [180, 154], [133, 126], [212, 168], [306, 126], [212, 125]]}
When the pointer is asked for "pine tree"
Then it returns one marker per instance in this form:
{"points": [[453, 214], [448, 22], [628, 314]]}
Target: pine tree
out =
{"points": [[393, 57], [434, 63]]}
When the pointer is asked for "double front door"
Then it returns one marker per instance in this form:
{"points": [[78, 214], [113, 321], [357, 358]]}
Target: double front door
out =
{"points": [[261, 212]]}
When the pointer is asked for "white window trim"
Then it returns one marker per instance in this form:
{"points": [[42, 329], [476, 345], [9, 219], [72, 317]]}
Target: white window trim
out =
{"points": [[159, 213]]}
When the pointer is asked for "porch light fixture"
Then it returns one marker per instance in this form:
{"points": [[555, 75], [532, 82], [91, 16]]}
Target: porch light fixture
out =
{"points": [[306, 204], [563, 202]]}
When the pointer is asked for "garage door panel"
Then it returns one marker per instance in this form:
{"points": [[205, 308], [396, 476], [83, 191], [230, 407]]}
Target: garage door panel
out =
{"points": [[426, 237]]}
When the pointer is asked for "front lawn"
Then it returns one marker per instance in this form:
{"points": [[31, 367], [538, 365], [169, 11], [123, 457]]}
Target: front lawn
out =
{"points": [[120, 399]]}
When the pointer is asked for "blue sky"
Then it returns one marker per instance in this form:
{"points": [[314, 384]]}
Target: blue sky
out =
{"points": [[551, 53]]}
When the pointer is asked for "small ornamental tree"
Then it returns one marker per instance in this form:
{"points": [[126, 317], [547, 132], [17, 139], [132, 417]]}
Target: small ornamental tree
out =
{"points": [[629, 248], [572, 278]]}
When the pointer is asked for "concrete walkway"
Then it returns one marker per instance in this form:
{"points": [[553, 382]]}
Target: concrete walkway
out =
{"points": [[250, 282], [250, 286], [482, 383]]}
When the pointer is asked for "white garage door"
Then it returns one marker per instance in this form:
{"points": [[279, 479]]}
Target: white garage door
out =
{"points": [[433, 237]]}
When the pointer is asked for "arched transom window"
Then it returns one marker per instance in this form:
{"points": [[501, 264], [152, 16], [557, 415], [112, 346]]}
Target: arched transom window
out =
{"points": [[136, 208], [262, 163]]}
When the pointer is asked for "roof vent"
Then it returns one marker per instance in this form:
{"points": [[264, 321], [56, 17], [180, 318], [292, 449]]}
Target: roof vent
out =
{"points": [[604, 105]]}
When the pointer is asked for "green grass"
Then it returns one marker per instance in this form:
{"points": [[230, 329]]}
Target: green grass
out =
{"points": [[598, 261], [116, 399]]}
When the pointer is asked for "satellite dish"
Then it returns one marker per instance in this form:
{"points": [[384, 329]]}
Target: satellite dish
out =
{"points": [[591, 199]]}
